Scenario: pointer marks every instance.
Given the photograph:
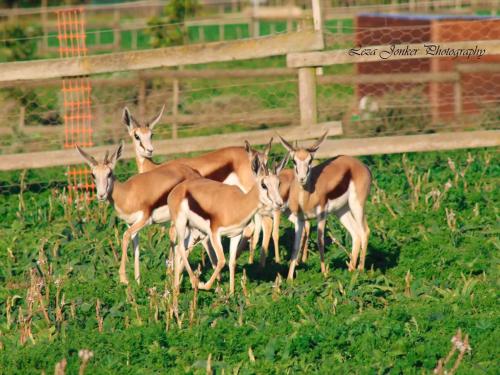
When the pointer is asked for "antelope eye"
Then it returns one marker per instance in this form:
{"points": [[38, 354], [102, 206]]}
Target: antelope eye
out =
{"points": [[137, 137], [263, 185]]}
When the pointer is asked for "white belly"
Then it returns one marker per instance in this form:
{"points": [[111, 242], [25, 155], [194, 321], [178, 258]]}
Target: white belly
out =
{"points": [[336, 204], [232, 231], [233, 179], [195, 220], [130, 218], [161, 214]]}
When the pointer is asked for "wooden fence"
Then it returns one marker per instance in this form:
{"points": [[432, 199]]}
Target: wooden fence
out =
{"points": [[177, 77], [304, 58], [112, 16]]}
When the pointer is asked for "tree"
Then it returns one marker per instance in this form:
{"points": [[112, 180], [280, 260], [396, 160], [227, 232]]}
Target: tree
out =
{"points": [[168, 29]]}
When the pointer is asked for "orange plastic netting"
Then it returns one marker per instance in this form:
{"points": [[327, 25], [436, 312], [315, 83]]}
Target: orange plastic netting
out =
{"points": [[76, 94]]}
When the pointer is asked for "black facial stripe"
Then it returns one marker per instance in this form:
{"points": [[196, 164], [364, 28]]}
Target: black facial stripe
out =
{"points": [[140, 144]]}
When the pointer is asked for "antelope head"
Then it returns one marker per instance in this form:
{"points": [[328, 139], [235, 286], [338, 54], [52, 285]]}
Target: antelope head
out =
{"points": [[141, 132], [267, 182], [102, 172], [263, 156], [302, 158]]}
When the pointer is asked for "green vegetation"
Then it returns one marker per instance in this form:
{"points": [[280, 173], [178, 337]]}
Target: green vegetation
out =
{"points": [[432, 268]]}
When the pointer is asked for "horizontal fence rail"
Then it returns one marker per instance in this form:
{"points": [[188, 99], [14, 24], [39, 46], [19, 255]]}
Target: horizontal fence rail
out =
{"points": [[169, 147], [163, 57], [409, 143], [346, 56]]}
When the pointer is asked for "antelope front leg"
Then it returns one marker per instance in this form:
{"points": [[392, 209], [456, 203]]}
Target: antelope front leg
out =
{"points": [[137, 270], [221, 261], [305, 238], [233, 252], [299, 226], [276, 234], [321, 239], [132, 231], [255, 239], [267, 225], [182, 243], [246, 237]]}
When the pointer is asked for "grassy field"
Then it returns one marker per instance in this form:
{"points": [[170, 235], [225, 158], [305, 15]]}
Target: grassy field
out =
{"points": [[432, 268]]}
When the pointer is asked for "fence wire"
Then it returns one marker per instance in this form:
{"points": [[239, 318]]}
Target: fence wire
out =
{"points": [[32, 114]]}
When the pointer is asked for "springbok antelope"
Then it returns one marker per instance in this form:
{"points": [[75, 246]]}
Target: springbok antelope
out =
{"points": [[340, 185], [229, 165], [218, 210], [139, 201], [286, 177], [142, 135]]}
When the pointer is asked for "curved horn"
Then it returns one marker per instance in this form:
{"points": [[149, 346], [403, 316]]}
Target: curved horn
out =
{"points": [[268, 147], [151, 123], [318, 143], [116, 155], [282, 165], [88, 158], [286, 144]]}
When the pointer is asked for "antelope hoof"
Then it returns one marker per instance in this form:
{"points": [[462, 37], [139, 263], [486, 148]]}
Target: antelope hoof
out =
{"points": [[202, 286], [123, 279]]}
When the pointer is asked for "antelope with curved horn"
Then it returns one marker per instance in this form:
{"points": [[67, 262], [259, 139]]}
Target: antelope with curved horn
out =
{"points": [[286, 177], [229, 165], [341, 186], [197, 205], [139, 201]]}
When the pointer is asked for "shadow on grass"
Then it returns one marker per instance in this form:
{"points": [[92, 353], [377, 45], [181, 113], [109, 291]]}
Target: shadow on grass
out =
{"points": [[382, 258]]}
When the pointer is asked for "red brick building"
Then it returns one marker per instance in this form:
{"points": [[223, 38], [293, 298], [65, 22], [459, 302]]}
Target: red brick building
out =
{"points": [[475, 90]]}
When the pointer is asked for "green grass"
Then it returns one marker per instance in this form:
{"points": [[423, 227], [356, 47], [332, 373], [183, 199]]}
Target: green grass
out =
{"points": [[344, 323]]}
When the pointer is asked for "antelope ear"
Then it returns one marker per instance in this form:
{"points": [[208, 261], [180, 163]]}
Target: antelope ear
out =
{"points": [[282, 165], [88, 159], [248, 148], [128, 120], [318, 143], [286, 144], [255, 165], [115, 155], [268, 147], [151, 123]]}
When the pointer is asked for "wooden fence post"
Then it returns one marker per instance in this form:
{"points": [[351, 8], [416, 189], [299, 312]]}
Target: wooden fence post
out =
{"points": [[45, 27], [117, 36], [307, 96], [175, 106], [307, 80], [134, 37], [22, 118], [142, 96]]}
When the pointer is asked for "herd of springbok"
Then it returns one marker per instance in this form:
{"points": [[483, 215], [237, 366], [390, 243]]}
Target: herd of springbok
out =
{"points": [[232, 192]]}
